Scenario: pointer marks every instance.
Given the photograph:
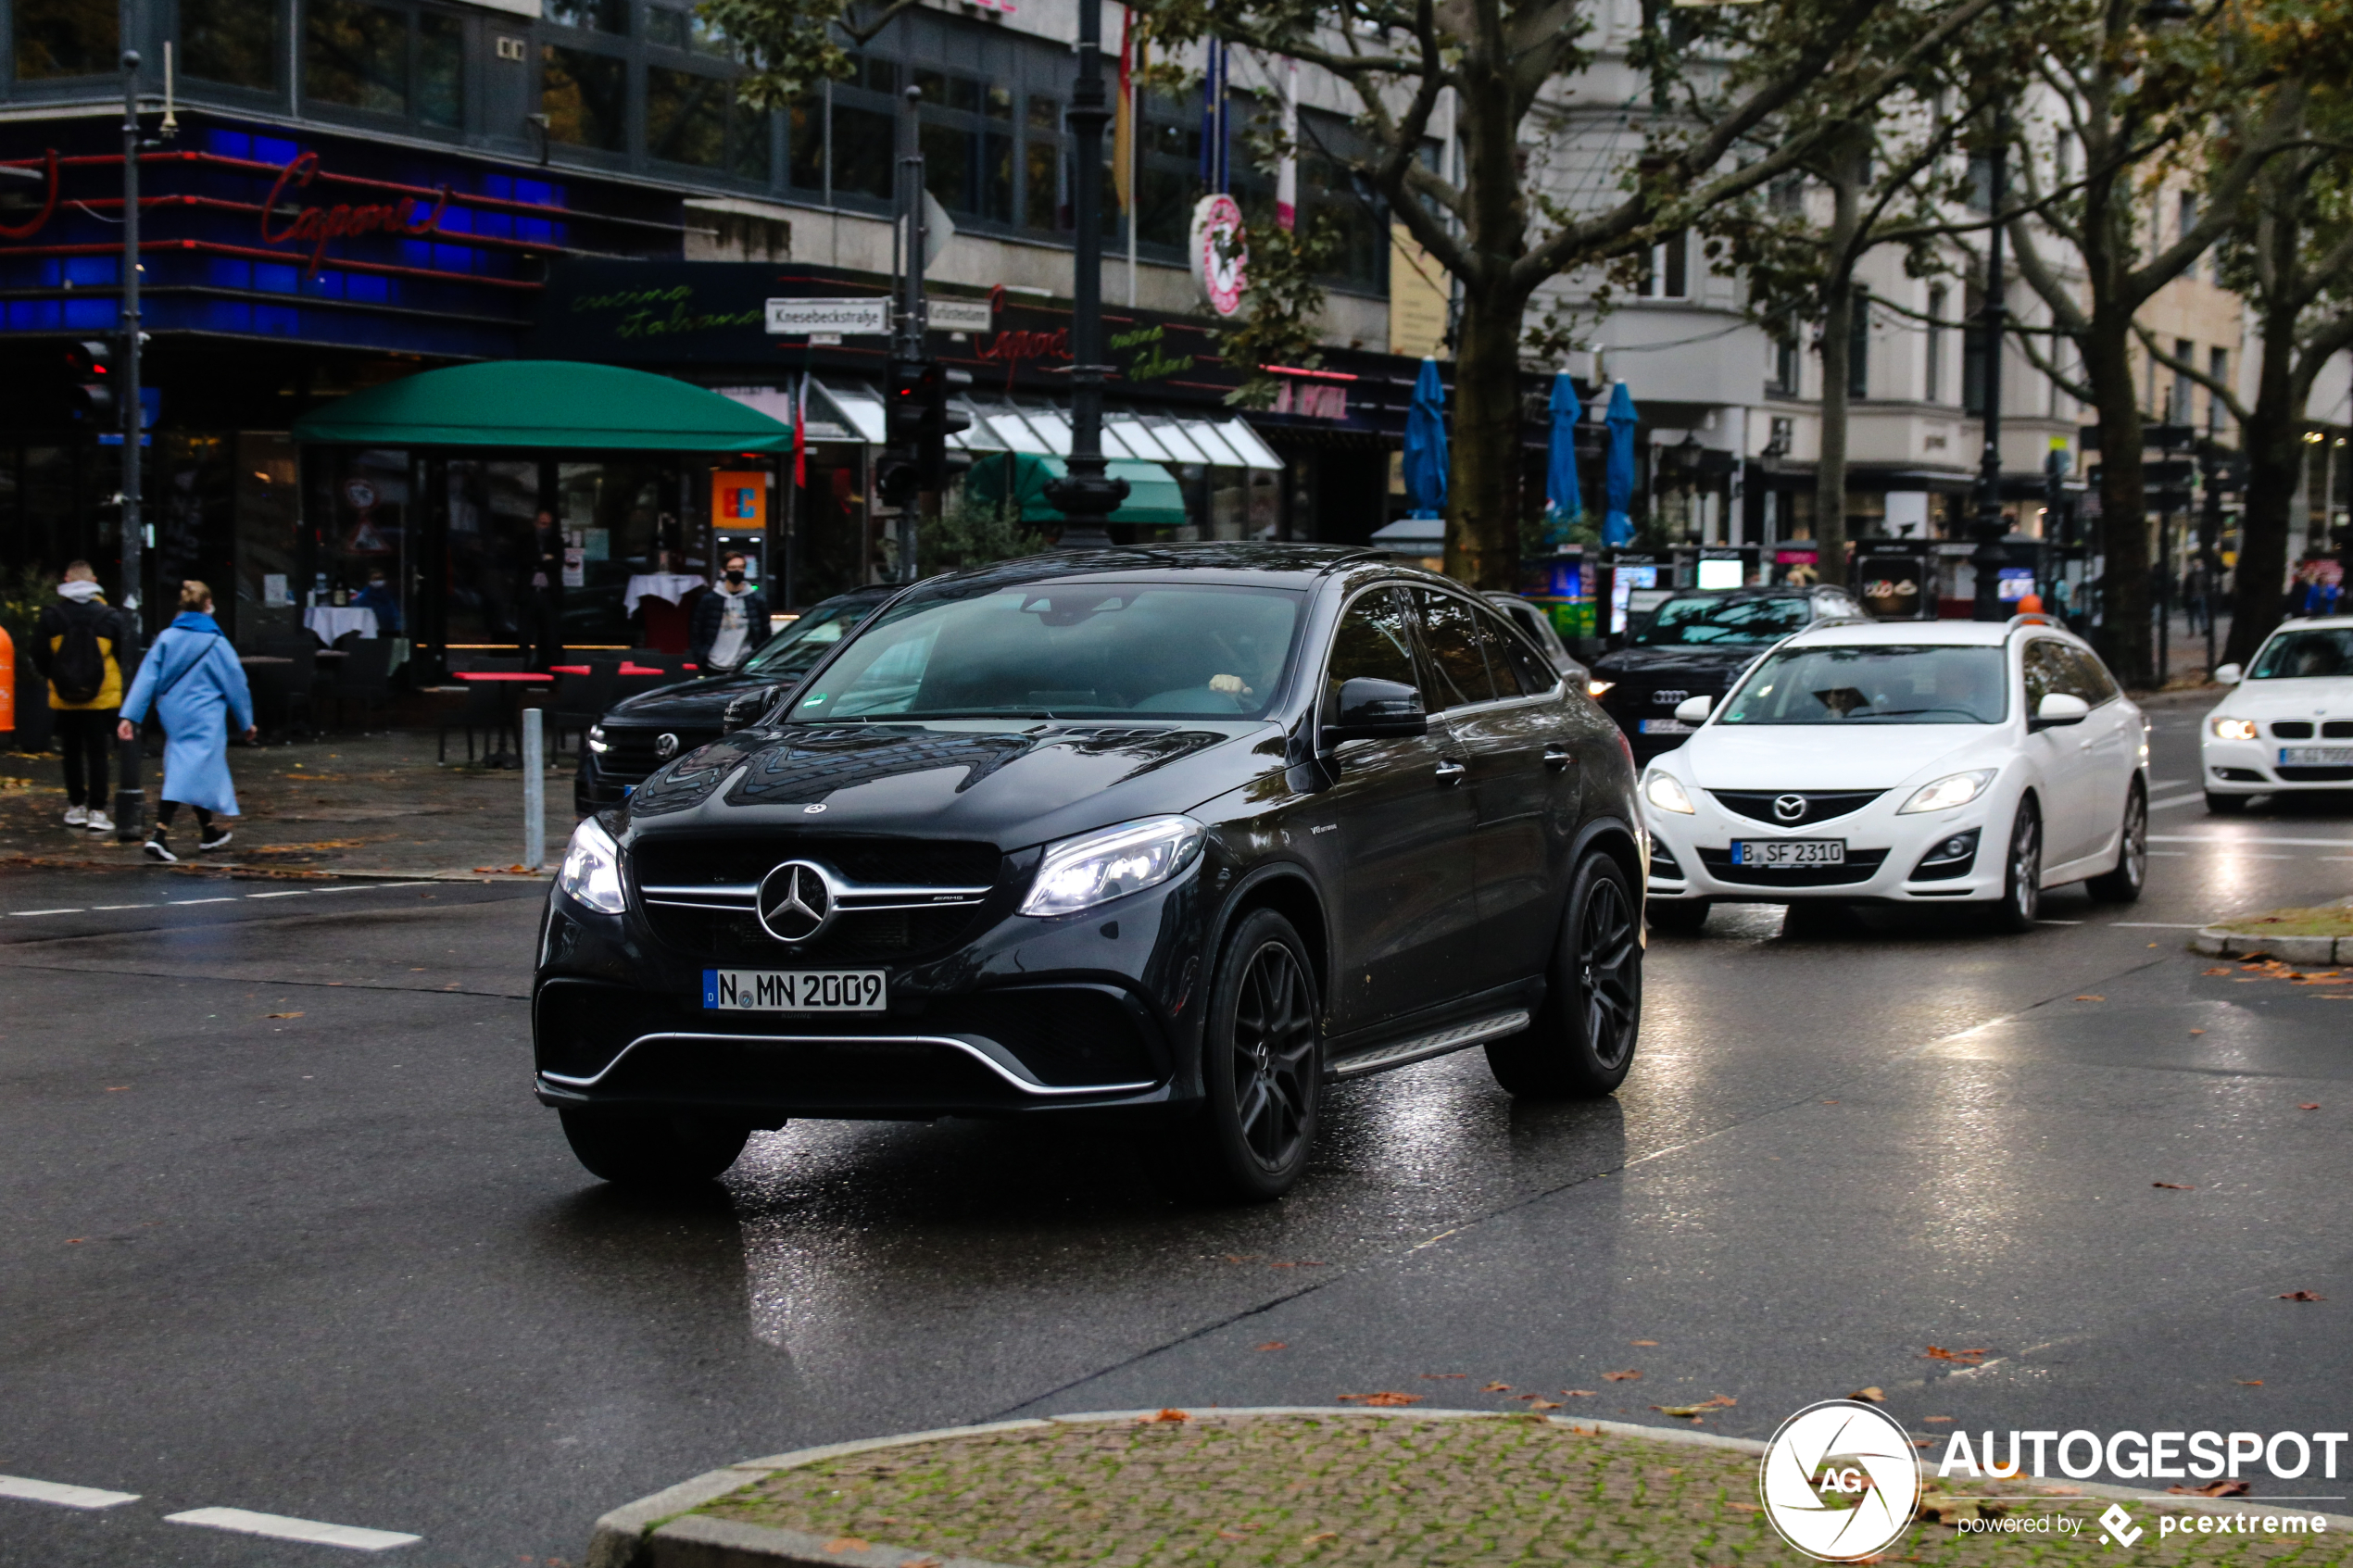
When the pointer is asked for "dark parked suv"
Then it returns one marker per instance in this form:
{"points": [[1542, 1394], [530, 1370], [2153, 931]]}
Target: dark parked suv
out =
{"points": [[1185, 832], [1696, 644]]}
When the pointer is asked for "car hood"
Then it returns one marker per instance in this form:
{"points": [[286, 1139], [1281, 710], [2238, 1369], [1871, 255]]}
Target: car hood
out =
{"points": [[2302, 698], [698, 703], [1719, 660], [964, 779], [1806, 756]]}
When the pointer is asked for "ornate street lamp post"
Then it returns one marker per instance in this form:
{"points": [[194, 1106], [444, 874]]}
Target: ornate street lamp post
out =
{"points": [[1087, 495]]}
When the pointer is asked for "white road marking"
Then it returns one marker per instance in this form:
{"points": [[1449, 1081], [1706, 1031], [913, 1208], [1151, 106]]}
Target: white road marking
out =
{"points": [[2159, 924], [95, 907], [224, 899], [23, 913], [61, 1494], [2059, 922], [247, 1523], [289, 893], [2233, 843]]}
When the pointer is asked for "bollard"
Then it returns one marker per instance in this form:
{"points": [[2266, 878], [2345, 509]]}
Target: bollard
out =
{"points": [[535, 793]]}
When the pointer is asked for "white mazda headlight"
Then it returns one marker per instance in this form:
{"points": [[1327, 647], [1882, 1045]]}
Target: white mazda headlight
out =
{"points": [[591, 871], [2233, 729], [1094, 868], [1952, 789], [1666, 792]]}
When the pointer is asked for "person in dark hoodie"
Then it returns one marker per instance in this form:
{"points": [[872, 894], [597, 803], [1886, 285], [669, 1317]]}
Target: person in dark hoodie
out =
{"points": [[730, 622], [77, 646]]}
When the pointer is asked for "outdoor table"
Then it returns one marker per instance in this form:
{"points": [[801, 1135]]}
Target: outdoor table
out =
{"points": [[515, 680], [329, 622], [673, 586]]}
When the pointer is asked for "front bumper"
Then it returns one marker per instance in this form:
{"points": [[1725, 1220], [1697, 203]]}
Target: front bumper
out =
{"points": [[2252, 767], [1691, 856], [1021, 1015]]}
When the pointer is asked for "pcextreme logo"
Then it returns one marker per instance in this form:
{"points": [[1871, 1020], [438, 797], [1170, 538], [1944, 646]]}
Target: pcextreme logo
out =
{"points": [[1839, 1481]]}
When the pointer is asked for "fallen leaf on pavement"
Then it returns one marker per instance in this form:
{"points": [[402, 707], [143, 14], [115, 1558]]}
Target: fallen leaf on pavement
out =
{"points": [[2250, 1383], [2214, 1489], [1242, 1257], [1869, 1395], [1651, 1342], [1496, 1388], [839, 1543], [1628, 1377], [1717, 1403], [2301, 1296], [1273, 1345], [2310, 1105], [282, 1015], [1939, 1353], [1319, 1536], [2197, 1031], [1168, 1415], [1386, 1397], [2091, 999], [1537, 1404], [2174, 1186], [1581, 1393], [2218, 972]]}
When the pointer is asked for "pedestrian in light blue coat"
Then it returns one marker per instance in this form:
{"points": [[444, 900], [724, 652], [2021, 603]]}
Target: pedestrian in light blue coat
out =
{"points": [[192, 680]]}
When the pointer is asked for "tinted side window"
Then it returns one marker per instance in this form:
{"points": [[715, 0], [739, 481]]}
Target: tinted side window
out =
{"points": [[1452, 638], [2047, 670], [1371, 640], [2093, 683], [1515, 661]]}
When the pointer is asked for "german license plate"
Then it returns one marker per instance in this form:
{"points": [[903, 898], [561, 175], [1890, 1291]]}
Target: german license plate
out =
{"points": [[795, 990], [1666, 727], [1789, 852], [2316, 756]]}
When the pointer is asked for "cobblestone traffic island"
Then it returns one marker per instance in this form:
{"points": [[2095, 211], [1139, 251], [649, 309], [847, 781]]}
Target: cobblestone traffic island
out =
{"points": [[1336, 1488]]}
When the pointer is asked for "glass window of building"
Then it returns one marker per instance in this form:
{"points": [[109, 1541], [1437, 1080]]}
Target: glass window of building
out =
{"points": [[356, 54], [865, 130], [586, 97], [805, 141], [234, 41], [441, 71], [595, 15], [66, 38], [686, 117]]}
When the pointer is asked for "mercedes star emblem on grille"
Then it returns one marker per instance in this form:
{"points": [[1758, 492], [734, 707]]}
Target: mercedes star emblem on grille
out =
{"points": [[666, 747], [796, 902], [1668, 698], [1789, 808]]}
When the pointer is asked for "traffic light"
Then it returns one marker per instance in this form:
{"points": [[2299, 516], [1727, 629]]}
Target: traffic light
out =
{"points": [[91, 364], [918, 422]]}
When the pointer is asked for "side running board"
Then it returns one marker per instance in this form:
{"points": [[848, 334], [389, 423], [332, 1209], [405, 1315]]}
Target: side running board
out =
{"points": [[1452, 1039]]}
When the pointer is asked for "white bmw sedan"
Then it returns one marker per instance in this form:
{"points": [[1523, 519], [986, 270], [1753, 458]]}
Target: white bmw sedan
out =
{"points": [[1905, 763], [2289, 724]]}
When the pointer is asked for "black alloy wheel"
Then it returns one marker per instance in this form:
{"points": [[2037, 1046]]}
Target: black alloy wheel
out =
{"points": [[1262, 1063], [1581, 1043], [2021, 902], [652, 1149], [2122, 884]]}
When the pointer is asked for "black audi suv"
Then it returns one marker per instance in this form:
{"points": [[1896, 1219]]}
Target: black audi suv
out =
{"points": [[1184, 832], [639, 734], [1696, 644]]}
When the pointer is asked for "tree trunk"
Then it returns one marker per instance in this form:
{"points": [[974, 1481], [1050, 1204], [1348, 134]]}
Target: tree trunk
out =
{"points": [[2124, 539], [1830, 467], [1482, 484], [2273, 438]]}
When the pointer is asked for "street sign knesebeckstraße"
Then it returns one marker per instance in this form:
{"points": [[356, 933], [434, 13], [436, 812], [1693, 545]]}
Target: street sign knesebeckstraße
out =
{"points": [[863, 317]]}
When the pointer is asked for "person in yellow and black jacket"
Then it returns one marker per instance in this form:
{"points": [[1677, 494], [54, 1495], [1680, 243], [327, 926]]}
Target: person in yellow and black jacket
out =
{"points": [[77, 648]]}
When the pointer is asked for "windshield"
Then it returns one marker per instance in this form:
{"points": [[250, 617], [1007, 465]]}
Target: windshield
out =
{"points": [[1692, 621], [1056, 650], [1872, 684], [2302, 655], [808, 639]]}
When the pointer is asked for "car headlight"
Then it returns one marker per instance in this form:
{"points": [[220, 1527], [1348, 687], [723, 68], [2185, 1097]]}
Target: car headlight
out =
{"points": [[1666, 792], [1952, 789], [597, 741], [591, 873], [2233, 729], [1595, 688], [1079, 873]]}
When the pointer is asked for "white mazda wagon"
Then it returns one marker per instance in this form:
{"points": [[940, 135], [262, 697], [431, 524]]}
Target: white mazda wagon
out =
{"points": [[1916, 762]]}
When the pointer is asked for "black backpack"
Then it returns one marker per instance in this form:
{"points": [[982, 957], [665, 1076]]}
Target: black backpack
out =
{"points": [[78, 666]]}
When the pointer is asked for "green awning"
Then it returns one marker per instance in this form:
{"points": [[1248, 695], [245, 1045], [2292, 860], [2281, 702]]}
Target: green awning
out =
{"points": [[545, 404], [1152, 498]]}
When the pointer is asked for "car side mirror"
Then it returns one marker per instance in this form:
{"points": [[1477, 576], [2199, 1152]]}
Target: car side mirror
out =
{"points": [[747, 709], [2229, 675], [2058, 708], [1695, 709], [1371, 709]]}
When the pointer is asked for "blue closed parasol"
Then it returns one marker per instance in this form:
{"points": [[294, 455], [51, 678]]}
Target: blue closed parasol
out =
{"points": [[1425, 444], [1618, 528]]}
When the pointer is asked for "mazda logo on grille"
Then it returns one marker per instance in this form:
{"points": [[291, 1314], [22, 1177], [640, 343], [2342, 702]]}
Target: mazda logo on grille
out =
{"points": [[666, 747], [1789, 808], [1668, 698], [796, 902]]}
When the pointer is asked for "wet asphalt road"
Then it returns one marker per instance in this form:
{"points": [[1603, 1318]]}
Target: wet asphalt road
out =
{"points": [[339, 1266]]}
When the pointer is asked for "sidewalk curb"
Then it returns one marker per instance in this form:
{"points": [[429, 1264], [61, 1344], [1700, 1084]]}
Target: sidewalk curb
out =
{"points": [[652, 1533], [2222, 943]]}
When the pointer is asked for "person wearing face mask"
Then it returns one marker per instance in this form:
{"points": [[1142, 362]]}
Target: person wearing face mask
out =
{"points": [[730, 622]]}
